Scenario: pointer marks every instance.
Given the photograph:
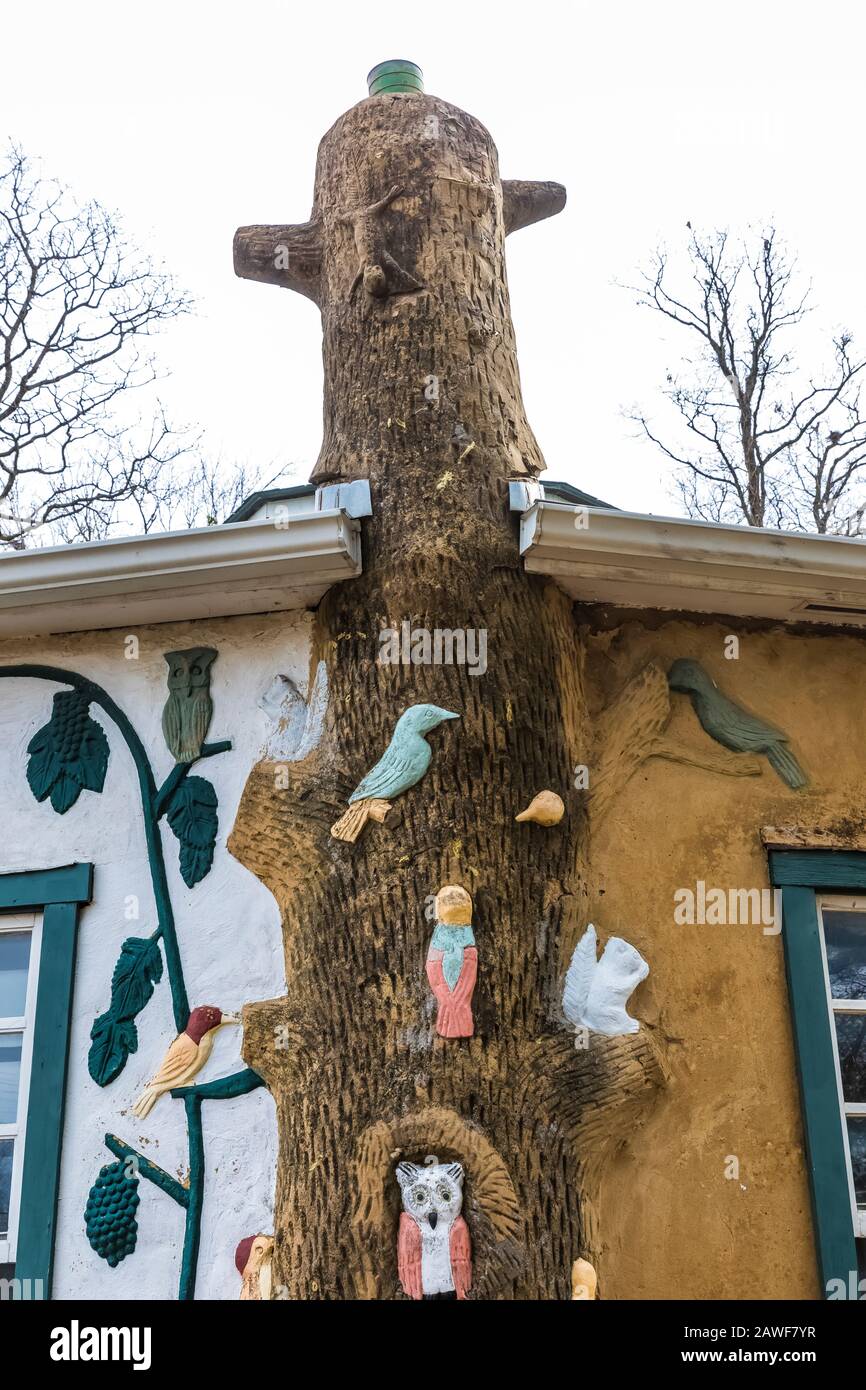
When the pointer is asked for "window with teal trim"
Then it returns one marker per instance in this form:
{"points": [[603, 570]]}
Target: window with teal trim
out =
{"points": [[19, 970], [824, 936], [843, 921], [38, 931]]}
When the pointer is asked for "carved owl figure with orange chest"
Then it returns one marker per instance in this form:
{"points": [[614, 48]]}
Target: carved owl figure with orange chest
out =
{"points": [[434, 1250]]}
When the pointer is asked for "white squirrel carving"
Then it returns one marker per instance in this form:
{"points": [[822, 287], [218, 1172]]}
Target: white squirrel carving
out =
{"points": [[596, 991], [297, 722]]}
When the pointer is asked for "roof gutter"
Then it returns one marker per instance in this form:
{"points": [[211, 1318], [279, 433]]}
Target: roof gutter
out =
{"points": [[216, 571], [635, 561]]}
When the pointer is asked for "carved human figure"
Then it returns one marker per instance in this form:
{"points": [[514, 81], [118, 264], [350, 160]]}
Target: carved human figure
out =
{"points": [[434, 1250], [452, 962]]}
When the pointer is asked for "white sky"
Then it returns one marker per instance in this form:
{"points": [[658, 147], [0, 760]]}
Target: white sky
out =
{"points": [[192, 118]]}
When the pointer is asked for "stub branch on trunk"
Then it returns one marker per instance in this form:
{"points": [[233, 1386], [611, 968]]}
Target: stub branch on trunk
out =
{"points": [[290, 256], [529, 200]]}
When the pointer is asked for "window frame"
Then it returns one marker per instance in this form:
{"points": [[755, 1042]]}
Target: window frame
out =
{"points": [[806, 878], [844, 902], [56, 894], [18, 922]]}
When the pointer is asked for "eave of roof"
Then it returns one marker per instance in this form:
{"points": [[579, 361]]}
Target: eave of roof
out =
{"points": [[216, 571], [629, 560]]}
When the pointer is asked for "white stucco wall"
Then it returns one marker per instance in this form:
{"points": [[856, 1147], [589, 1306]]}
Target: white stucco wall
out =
{"points": [[228, 928]]}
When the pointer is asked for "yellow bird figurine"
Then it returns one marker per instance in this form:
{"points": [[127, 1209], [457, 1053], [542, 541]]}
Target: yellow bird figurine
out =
{"points": [[186, 1056]]}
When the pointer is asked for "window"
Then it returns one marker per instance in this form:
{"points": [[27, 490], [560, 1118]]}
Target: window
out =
{"points": [[19, 970], [843, 922], [824, 937], [38, 932]]}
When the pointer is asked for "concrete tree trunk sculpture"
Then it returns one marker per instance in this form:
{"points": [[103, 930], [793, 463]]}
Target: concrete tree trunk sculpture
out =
{"points": [[404, 254]]}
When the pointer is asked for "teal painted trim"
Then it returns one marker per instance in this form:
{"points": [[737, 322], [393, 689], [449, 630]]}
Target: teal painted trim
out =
{"points": [[801, 875], [147, 787], [192, 1233], [158, 1176], [818, 868], [43, 1142], [224, 1088], [39, 887]]}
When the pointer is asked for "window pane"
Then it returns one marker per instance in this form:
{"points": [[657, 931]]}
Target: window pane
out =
{"points": [[845, 935], [14, 956], [10, 1071], [851, 1039], [857, 1144], [6, 1147]]}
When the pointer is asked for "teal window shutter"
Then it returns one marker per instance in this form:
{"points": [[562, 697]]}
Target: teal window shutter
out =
{"points": [[802, 875], [58, 894]]}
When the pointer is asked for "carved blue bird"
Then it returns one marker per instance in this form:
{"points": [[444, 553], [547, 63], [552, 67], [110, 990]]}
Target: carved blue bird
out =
{"points": [[732, 726], [403, 763]]}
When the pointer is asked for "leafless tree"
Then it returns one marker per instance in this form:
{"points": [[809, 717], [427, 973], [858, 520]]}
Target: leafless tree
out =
{"points": [[204, 493], [77, 307], [764, 441]]}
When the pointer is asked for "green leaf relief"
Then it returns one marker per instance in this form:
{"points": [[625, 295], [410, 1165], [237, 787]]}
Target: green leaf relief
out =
{"points": [[114, 1035], [69, 754], [192, 815]]}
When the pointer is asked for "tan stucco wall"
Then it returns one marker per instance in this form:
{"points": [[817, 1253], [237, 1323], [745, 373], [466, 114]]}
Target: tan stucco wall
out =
{"points": [[673, 1226]]}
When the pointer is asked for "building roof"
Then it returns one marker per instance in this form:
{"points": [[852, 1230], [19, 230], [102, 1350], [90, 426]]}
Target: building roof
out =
{"points": [[216, 571], [285, 547], [629, 560], [296, 496]]}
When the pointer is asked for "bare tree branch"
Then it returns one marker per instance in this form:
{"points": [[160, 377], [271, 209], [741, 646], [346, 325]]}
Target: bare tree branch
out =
{"points": [[77, 307], [758, 447]]}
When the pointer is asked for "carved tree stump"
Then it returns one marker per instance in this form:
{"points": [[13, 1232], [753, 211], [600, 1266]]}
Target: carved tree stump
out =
{"points": [[404, 253]]}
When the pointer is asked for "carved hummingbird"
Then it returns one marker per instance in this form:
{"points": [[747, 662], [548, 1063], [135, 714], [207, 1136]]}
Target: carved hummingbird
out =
{"points": [[186, 1056]]}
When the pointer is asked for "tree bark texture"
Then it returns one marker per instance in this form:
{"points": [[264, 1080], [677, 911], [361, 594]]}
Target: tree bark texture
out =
{"points": [[414, 293]]}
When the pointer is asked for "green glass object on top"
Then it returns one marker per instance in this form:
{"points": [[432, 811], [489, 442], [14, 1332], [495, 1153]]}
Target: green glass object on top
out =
{"points": [[732, 726], [69, 754], [189, 708], [396, 75]]}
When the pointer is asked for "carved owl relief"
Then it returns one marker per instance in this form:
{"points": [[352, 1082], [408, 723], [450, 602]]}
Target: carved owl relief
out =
{"points": [[189, 708], [434, 1251]]}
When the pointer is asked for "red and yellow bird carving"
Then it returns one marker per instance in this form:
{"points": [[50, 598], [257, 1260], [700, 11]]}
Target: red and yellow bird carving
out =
{"points": [[186, 1056], [253, 1261]]}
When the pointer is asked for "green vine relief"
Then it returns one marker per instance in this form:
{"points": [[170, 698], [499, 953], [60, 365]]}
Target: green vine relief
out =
{"points": [[69, 754], [192, 815], [114, 1034]]}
